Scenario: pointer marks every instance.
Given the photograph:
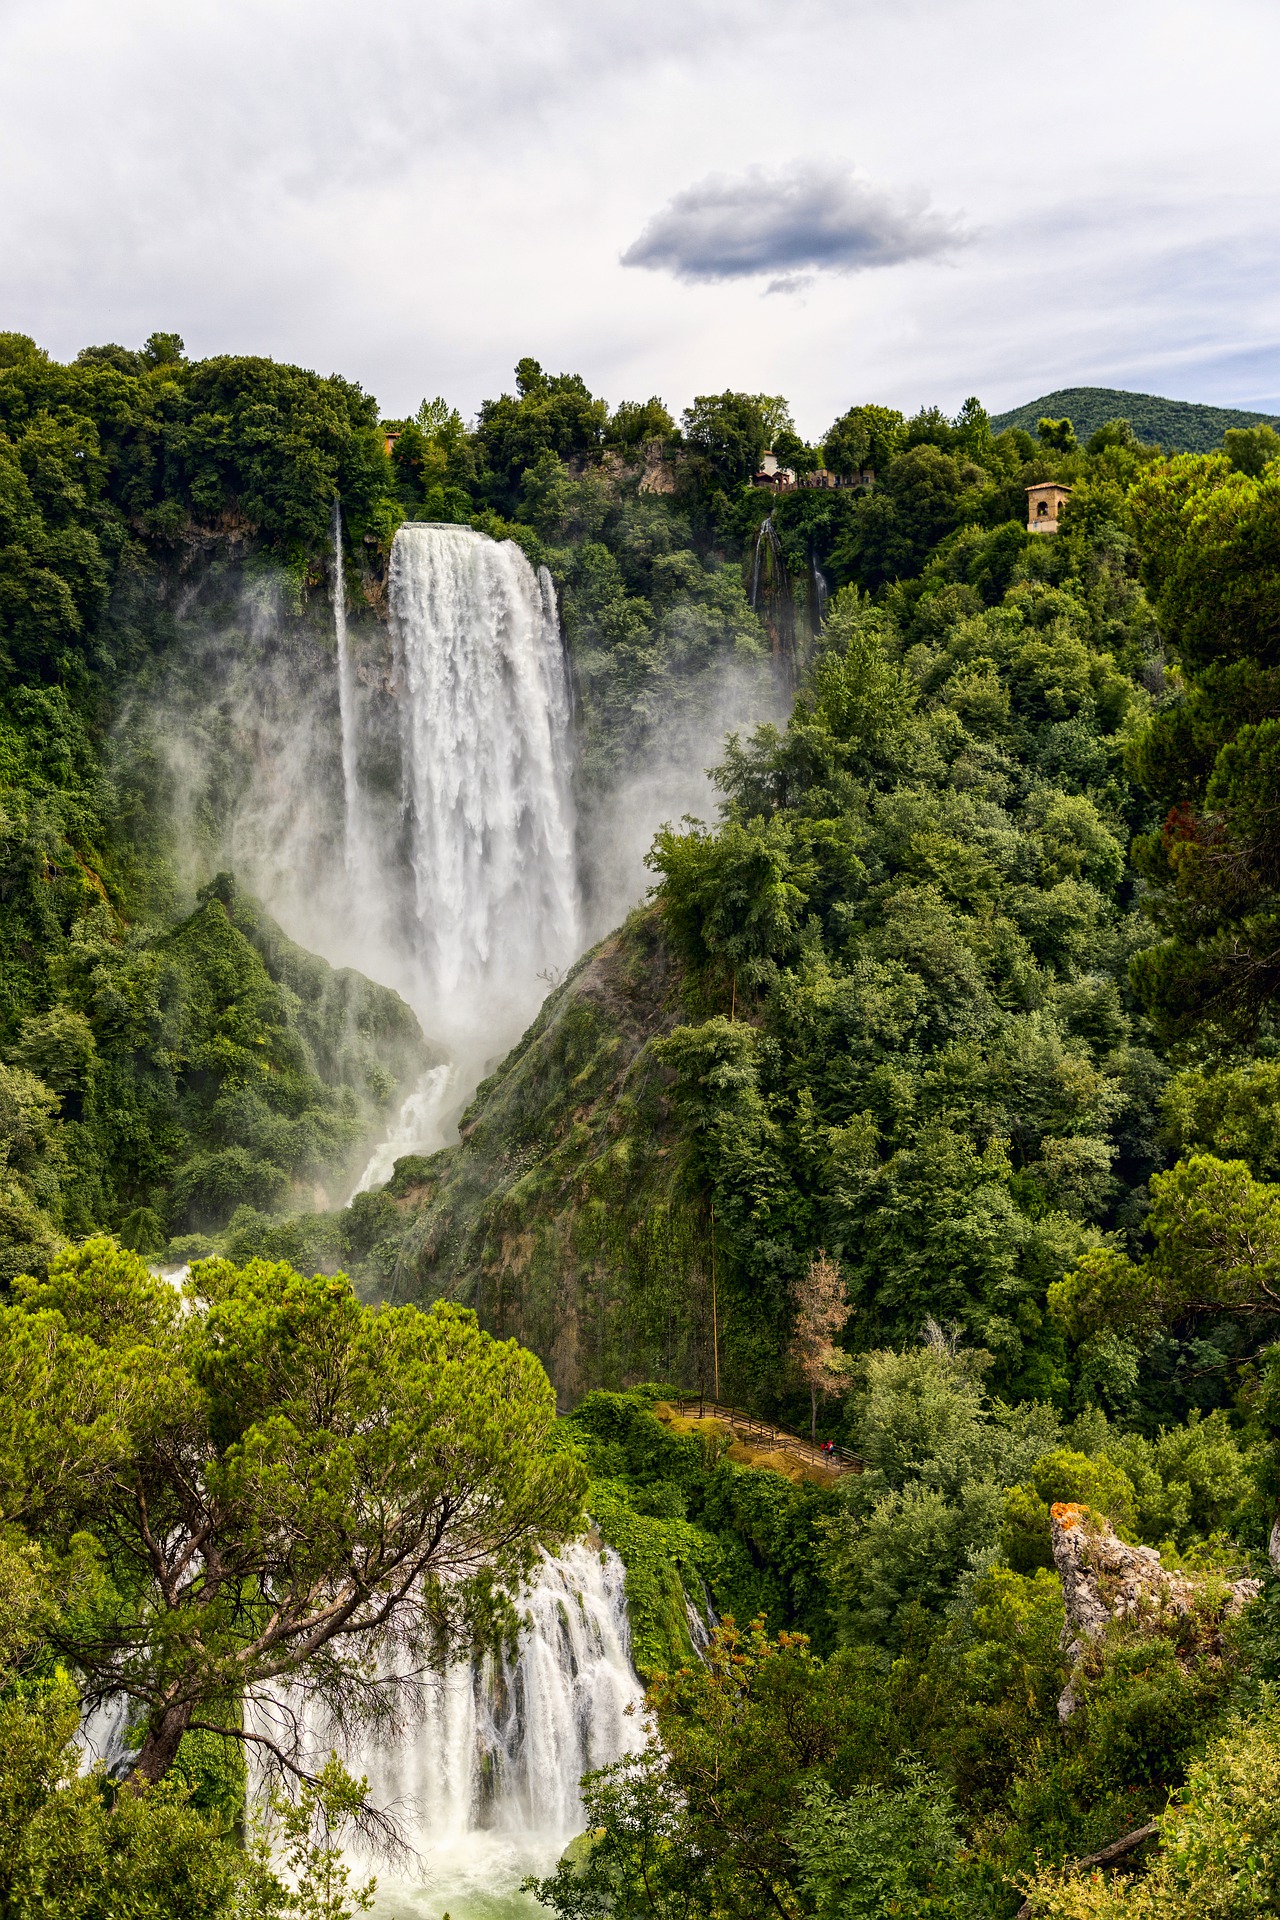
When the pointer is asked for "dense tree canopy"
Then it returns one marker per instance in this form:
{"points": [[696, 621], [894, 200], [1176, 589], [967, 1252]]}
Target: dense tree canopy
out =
{"points": [[966, 999]]}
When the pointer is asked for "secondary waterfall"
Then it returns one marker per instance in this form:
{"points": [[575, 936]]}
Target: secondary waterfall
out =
{"points": [[488, 1789], [485, 714], [771, 597], [351, 835]]}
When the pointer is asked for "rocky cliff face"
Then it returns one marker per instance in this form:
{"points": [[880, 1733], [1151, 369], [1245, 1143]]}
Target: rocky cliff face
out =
{"points": [[1105, 1580], [564, 1215]]}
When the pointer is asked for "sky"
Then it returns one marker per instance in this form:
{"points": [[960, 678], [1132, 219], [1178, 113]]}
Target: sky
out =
{"points": [[904, 201]]}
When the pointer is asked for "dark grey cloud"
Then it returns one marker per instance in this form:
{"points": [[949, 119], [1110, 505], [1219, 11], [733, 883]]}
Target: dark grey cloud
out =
{"points": [[792, 222]]}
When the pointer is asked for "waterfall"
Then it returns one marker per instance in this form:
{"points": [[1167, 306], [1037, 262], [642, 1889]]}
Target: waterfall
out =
{"points": [[418, 1128], [771, 598], [486, 811], [487, 1788], [485, 719], [821, 594], [346, 702], [755, 565]]}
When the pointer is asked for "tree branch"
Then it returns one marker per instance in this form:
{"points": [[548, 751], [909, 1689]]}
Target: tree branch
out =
{"points": [[1128, 1843], [373, 1822]]}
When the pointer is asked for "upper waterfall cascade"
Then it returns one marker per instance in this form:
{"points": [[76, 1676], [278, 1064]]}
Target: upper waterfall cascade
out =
{"points": [[485, 716], [487, 827]]}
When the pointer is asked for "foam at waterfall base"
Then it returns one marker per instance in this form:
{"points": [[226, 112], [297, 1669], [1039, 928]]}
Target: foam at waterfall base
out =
{"points": [[475, 1879]]}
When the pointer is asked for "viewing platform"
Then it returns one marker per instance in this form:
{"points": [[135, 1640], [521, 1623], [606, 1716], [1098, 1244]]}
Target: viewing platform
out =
{"points": [[755, 1432]]}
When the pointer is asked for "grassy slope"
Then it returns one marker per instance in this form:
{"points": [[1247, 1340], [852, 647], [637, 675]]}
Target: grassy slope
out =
{"points": [[1183, 426], [562, 1215]]}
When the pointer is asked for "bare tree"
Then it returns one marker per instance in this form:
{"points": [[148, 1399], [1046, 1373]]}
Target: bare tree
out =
{"points": [[821, 1311]]}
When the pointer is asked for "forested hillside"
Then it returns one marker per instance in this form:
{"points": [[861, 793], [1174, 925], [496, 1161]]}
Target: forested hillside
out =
{"points": [[1179, 426], [973, 987], [908, 1002], [932, 1100]]}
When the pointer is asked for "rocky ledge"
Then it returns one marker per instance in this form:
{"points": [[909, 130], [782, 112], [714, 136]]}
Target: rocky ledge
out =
{"points": [[1105, 1579]]}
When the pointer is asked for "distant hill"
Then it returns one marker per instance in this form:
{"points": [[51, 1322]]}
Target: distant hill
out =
{"points": [[1183, 426]]}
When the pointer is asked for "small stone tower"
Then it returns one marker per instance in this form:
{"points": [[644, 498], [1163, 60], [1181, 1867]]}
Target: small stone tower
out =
{"points": [[1043, 503]]}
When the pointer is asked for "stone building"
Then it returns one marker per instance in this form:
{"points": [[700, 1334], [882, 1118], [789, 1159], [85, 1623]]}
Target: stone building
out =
{"points": [[784, 480], [1044, 502]]}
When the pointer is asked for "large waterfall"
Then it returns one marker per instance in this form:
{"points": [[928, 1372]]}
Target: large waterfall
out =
{"points": [[405, 809], [486, 808], [485, 713], [489, 1783], [487, 1791]]}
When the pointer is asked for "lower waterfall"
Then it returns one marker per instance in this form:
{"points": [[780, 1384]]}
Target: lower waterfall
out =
{"points": [[486, 1789]]}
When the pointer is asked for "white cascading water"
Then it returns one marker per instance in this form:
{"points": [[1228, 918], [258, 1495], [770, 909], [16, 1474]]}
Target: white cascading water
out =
{"points": [[485, 743], [488, 1785], [417, 1128], [487, 1789], [485, 711]]}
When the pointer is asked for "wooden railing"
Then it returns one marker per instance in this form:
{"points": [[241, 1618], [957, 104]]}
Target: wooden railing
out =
{"points": [[752, 1427]]}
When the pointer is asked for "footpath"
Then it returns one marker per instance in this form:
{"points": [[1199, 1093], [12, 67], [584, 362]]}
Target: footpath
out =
{"points": [[762, 1434]]}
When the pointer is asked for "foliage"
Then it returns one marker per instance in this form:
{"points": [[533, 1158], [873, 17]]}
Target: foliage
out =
{"points": [[711, 1819], [65, 1849], [862, 903], [1180, 426], [549, 413], [73, 1842], [864, 438], [881, 1850], [297, 1849], [983, 940], [180, 1076], [1217, 1247], [1218, 1849], [700, 1533], [1212, 561], [821, 1311], [267, 1485]]}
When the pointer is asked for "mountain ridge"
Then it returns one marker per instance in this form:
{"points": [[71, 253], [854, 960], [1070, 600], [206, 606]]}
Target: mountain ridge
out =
{"points": [[1181, 426]]}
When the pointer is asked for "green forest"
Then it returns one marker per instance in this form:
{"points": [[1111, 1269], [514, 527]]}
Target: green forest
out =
{"points": [[930, 1106], [1179, 426]]}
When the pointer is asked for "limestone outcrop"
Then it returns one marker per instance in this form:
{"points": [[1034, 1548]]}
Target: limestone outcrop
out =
{"points": [[1105, 1579]]}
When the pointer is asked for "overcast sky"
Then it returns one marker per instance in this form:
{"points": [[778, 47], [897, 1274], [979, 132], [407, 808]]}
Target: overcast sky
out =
{"points": [[839, 200]]}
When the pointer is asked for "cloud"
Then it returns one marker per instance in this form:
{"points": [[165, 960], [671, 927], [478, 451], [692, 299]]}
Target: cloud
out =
{"points": [[806, 218], [420, 206]]}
